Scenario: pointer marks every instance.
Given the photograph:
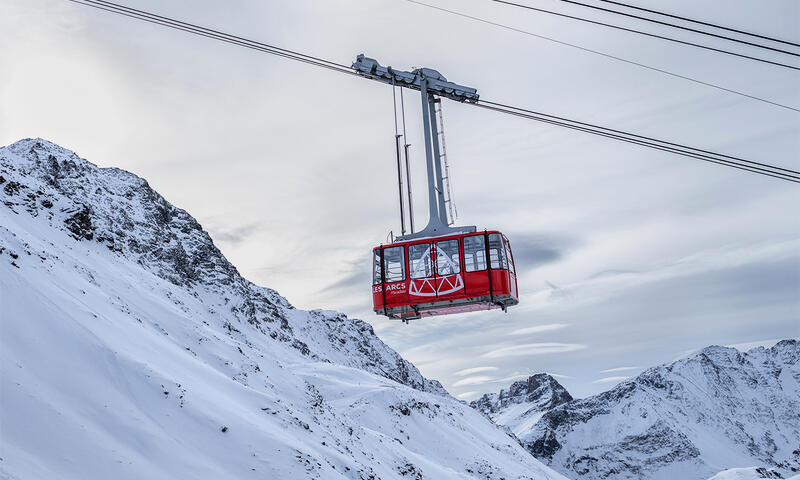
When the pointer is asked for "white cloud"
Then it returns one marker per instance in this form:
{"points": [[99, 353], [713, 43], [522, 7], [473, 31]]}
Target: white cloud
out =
{"points": [[469, 371], [686, 354], [468, 395], [528, 349], [539, 328], [744, 346], [758, 343], [476, 380], [611, 380], [519, 376], [511, 378], [620, 369]]}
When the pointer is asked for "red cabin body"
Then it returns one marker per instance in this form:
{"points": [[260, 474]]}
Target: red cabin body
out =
{"points": [[442, 275]]}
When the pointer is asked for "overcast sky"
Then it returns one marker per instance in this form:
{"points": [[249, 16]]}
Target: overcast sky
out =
{"points": [[628, 257]]}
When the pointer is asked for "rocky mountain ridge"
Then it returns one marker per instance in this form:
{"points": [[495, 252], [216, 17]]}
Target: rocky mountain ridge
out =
{"points": [[523, 403], [123, 213], [540, 389], [131, 348], [714, 410]]}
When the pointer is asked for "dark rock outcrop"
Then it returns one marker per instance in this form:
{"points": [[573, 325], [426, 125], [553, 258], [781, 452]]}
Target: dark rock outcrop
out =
{"points": [[121, 211], [718, 408], [541, 391]]}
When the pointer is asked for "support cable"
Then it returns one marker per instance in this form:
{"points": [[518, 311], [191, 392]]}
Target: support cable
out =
{"points": [[654, 146], [399, 164], [692, 152], [699, 22], [734, 162], [620, 132], [653, 35], [214, 34], [603, 54], [406, 147], [681, 27]]}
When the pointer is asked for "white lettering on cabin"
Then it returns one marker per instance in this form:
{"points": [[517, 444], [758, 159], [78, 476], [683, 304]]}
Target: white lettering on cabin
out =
{"points": [[390, 288]]}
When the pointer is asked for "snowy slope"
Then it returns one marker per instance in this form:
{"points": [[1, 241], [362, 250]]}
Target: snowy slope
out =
{"points": [[130, 348], [750, 473], [524, 402], [718, 409]]}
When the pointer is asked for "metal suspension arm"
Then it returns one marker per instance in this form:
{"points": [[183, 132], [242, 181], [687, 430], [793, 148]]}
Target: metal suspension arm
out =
{"points": [[437, 84], [430, 83]]}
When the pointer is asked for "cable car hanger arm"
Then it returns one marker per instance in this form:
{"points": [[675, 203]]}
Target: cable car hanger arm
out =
{"points": [[436, 83]]}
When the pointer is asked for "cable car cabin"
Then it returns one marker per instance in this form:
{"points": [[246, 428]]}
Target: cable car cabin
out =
{"points": [[442, 275]]}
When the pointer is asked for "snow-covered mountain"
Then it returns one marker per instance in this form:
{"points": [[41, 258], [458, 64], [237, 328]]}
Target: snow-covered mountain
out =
{"points": [[751, 473], [523, 403], [131, 348], [715, 410]]}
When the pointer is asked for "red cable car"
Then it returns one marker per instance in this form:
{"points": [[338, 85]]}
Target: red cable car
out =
{"points": [[441, 269], [442, 275]]}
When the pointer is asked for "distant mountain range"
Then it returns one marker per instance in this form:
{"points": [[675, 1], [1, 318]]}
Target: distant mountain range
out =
{"points": [[715, 410]]}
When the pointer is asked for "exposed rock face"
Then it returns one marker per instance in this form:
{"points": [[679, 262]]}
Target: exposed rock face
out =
{"points": [[131, 348], [720, 408], [751, 473], [541, 392], [522, 405], [121, 211]]}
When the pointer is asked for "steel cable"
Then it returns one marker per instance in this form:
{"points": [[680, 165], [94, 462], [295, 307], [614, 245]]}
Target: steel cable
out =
{"points": [[671, 147]]}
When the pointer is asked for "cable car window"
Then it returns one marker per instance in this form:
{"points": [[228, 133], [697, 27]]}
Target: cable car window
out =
{"points": [[419, 257], [394, 264], [474, 253], [376, 267], [497, 254], [447, 260], [509, 257]]}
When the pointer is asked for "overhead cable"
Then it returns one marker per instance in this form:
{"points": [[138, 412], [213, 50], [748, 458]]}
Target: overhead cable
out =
{"points": [[217, 35], [705, 155], [653, 35], [673, 25], [699, 22], [692, 152], [603, 54]]}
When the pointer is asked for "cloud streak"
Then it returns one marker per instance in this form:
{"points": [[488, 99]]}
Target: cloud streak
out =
{"points": [[539, 329], [234, 235], [611, 380], [511, 378], [757, 343], [469, 371], [476, 380], [530, 349], [620, 369], [467, 395], [534, 250]]}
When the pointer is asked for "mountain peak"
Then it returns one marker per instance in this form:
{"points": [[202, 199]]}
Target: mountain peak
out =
{"points": [[524, 402], [118, 210], [540, 391], [43, 146]]}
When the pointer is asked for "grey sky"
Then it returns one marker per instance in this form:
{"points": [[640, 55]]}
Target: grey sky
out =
{"points": [[628, 257]]}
